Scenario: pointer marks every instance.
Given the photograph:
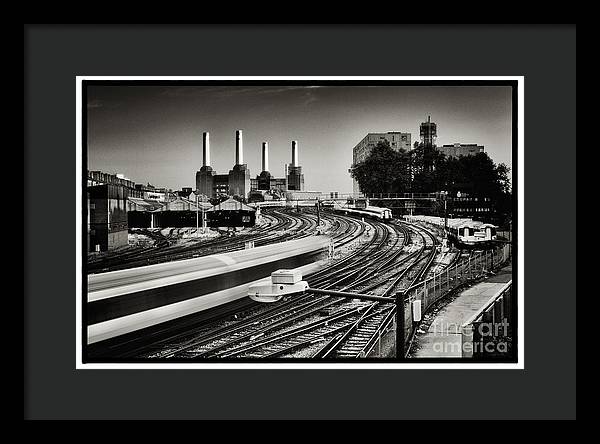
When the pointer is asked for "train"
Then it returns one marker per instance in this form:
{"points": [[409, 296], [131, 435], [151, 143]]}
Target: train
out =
{"points": [[377, 213], [125, 301], [473, 236]]}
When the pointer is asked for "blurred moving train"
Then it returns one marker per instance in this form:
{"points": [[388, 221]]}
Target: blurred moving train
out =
{"points": [[378, 213], [124, 301]]}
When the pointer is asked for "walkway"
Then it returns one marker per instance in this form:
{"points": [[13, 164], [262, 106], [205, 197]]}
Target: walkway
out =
{"points": [[443, 338]]}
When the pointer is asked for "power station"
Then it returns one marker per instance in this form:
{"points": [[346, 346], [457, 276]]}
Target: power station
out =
{"points": [[238, 181]]}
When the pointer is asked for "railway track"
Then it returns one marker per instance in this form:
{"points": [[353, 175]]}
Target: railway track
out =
{"points": [[283, 225], [341, 230], [317, 326], [393, 257]]}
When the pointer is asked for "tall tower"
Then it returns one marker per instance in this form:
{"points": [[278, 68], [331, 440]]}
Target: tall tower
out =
{"points": [[264, 178], [428, 131], [239, 175], [265, 156], [295, 178], [239, 148], [294, 153], [206, 176], [205, 149]]}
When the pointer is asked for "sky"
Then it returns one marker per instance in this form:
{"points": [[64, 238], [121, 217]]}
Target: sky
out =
{"points": [[154, 133]]}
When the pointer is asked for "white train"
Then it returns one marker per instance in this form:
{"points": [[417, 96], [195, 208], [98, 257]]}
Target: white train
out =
{"points": [[472, 235], [378, 213], [464, 233]]}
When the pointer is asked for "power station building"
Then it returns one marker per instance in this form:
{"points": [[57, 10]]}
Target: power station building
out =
{"points": [[397, 140], [211, 184], [295, 178], [266, 182], [238, 182]]}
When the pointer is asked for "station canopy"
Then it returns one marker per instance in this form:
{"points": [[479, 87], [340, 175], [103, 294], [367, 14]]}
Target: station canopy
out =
{"points": [[231, 205], [145, 204], [179, 204], [182, 204]]}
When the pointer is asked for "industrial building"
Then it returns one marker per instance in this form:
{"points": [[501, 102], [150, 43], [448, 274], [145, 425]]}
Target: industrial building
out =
{"points": [[107, 216], [294, 175], [461, 149], [208, 182], [100, 178], [178, 213], [239, 175], [148, 191], [238, 181], [235, 183], [397, 140], [267, 184], [107, 206], [265, 181], [115, 204]]}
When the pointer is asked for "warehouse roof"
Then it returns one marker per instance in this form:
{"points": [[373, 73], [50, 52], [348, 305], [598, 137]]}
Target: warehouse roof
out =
{"points": [[231, 205], [179, 204], [145, 204], [182, 204]]}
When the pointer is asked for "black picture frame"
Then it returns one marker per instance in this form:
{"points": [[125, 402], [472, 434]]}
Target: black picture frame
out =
{"points": [[54, 55]]}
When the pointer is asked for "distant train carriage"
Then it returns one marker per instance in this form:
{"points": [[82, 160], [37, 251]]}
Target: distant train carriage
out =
{"points": [[489, 231], [378, 213], [471, 236]]}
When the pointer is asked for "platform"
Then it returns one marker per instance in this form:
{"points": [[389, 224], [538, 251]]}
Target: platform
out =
{"points": [[443, 337]]}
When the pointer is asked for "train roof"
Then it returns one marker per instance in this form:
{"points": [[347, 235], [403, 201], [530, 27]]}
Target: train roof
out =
{"points": [[118, 282], [372, 208]]}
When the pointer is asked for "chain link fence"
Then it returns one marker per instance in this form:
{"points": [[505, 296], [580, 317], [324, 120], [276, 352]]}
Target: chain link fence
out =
{"points": [[431, 290]]}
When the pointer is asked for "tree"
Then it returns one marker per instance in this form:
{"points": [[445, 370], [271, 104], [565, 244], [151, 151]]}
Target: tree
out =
{"points": [[383, 171], [425, 169], [426, 160]]}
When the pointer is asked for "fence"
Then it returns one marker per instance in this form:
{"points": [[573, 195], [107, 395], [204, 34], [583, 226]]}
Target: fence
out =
{"points": [[431, 290]]}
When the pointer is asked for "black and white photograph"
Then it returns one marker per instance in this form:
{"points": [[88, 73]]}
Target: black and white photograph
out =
{"points": [[300, 220]]}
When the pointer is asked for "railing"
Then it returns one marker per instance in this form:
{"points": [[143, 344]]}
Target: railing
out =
{"points": [[430, 291], [486, 333], [431, 196]]}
